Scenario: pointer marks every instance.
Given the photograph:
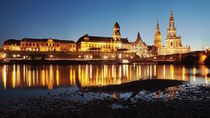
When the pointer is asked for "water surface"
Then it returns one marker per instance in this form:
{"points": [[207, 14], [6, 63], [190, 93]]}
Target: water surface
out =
{"points": [[18, 80]]}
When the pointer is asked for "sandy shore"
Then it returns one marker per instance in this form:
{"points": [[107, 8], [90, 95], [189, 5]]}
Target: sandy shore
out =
{"points": [[175, 100]]}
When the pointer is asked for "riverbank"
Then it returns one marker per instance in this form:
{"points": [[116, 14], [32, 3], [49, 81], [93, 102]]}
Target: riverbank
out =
{"points": [[79, 61], [175, 99]]}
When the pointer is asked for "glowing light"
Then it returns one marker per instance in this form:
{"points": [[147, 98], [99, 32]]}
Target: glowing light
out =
{"points": [[164, 71], [155, 70], [183, 73], [4, 55], [51, 56], [14, 76], [125, 61], [105, 71], [120, 55], [194, 73], [105, 57], [202, 59], [5, 76], [172, 71], [57, 76]]}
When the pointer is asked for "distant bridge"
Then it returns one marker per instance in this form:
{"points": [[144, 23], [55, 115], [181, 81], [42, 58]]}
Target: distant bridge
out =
{"points": [[195, 57]]}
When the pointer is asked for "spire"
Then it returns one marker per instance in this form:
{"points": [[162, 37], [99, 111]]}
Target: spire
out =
{"points": [[157, 32], [116, 24], [157, 26], [171, 13], [138, 36], [157, 36], [171, 17]]}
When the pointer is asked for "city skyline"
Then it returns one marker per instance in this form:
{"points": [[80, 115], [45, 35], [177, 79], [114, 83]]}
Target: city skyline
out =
{"points": [[70, 20]]}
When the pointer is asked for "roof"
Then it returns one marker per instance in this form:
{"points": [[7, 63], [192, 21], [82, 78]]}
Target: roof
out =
{"points": [[34, 40], [45, 40], [12, 42], [100, 39], [139, 41]]}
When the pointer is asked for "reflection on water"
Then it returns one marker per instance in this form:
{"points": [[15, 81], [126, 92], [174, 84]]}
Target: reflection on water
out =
{"points": [[53, 76]]}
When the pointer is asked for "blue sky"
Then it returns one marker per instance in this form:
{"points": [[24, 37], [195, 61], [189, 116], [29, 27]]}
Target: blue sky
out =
{"points": [[70, 19]]}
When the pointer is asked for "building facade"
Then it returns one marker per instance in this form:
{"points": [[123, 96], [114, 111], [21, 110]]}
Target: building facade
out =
{"points": [[42, 45], [173, 42], [115, 43], [12, 45], [140, 47]]}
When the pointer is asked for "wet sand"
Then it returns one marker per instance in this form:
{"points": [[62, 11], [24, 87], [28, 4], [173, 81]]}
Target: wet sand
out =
{"points": [[176, 99]]}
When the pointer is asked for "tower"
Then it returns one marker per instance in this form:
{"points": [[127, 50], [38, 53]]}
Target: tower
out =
{"points": [[172, 40], [116, 36], [157, 37], [171, 29], [116, 32]]}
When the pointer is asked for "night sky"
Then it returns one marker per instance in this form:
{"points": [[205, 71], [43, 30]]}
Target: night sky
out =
{"points": [[70, 19]]}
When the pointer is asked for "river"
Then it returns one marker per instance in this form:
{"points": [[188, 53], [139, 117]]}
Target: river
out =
{"points": [[31, 80]]}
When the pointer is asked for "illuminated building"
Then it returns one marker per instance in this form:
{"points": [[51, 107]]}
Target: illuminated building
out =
{"points": [[43, 45], [115, 43], [12, 45], [104, 44], [139, 47], [173, 42]]}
